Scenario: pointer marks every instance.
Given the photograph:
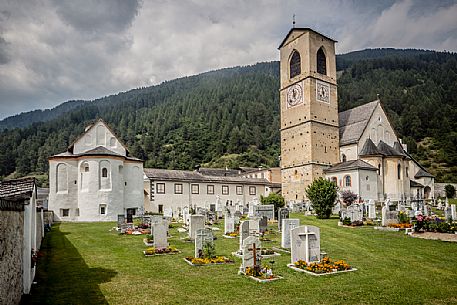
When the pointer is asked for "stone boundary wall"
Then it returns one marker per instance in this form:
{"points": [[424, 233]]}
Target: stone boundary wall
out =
{"points": [[39, 228], [11, 247], [439, 189]]}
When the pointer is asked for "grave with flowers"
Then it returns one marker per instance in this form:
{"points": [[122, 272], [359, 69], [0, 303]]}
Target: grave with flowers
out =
{"points": [[205, 251], [306, 254], [252, 266]]}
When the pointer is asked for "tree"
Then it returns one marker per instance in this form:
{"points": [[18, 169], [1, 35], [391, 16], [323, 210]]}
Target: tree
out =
{"points": [[322, 193], [273, 198], [348, 197], [450, 191]]}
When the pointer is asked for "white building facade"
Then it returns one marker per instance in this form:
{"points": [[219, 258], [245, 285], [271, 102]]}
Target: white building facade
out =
{"points": [[176, 189], [95, 179]]}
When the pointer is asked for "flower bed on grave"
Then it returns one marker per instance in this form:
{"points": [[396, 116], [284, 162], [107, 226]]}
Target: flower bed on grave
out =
{"points": [[261, 274], [434, 224], [206, 261], [326, 266], [231, 235], [400, 225], [138, 231], [151, 251], [148, 241]]}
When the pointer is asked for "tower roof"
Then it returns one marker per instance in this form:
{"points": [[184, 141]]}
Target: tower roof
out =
{"points": [[369, 149], [302, 30], [423, 173], [389, 151]]}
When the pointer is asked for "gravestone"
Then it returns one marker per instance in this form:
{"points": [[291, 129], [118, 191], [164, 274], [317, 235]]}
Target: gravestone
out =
{"points": [[287, 225], [168, 212], [453, 212], [388, 217], [448, 213], [267, 210], [120, 220], [251, 253], [427, 210], [244, 233], [411, 213], [160, 234], [185, 216], [229, 224], [252, 209], [337, 208], [202, 238], [196, 222], [440, 204], [371, 209], [283, 213], [305, 244], [254, 226], [355, 212], [263, 225]]}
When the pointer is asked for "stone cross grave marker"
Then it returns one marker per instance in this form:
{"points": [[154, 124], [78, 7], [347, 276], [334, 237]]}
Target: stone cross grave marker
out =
{"points": [[267, 210], [202, 238], [160, 234], [263, 224], [251, 253], [196, 222], [287, 225], [355, 212], [305, 244], [229, 224], [283, 213]]}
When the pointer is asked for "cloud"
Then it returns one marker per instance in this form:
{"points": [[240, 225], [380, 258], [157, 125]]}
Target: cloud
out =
{"points": [[52, 51]]}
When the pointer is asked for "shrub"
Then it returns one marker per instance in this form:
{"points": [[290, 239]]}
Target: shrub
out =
{"points": [[348, 197], [450, 191], [276, 199], [322, 194]]}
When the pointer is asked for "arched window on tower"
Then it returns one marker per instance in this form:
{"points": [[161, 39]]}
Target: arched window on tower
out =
{"points": [[343, 158], [399, 171], [321, 62], [295, 64], [104, 172]]}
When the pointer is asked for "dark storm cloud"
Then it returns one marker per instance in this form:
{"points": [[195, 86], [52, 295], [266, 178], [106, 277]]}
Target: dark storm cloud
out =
{"points": [[52, 51], [97, 16]]}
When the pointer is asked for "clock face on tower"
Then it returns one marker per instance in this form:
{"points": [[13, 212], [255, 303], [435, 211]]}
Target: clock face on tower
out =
{"points": [[322, 92], [294, 95]]}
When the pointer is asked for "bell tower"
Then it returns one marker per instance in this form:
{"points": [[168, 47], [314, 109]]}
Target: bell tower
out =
{"points": [[309, 110]]}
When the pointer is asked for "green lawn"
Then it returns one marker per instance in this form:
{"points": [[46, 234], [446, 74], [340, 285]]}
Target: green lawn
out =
{"points": [[86, 264]]}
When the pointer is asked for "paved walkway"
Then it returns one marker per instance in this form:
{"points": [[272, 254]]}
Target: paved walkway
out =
{"points": [[436, 236]]}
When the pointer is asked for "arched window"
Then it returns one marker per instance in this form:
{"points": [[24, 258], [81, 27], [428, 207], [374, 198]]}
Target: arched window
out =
{"points": [[104, 172], [347, 180], [321, 62], [343, 157], [399, 171], [334, 180], [295, 64]]}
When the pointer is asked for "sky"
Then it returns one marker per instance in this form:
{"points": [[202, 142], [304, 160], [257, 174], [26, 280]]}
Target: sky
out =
{"points": [[52, 51]]}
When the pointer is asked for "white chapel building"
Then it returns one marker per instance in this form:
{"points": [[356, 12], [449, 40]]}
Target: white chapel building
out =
{"points": [[95, 179]]}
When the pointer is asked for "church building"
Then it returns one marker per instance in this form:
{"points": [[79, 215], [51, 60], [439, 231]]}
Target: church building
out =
{"points": [[95, 179], [357, 149]]}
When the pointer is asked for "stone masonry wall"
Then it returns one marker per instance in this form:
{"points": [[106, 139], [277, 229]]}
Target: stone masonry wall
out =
{"points": [[11, 243]]}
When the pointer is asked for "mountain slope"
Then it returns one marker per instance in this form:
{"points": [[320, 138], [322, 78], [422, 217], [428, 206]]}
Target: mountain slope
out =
{"points": [[230, 117]]}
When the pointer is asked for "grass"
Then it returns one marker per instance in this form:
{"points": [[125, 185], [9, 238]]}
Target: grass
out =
{"points": [[86, 264]]}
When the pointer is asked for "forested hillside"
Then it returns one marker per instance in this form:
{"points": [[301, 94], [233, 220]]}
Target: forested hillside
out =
{"points": [[230, 117]]}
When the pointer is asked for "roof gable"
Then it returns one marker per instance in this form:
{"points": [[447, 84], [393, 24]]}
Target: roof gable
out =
{"points": [[300, 31], [353, 122]]}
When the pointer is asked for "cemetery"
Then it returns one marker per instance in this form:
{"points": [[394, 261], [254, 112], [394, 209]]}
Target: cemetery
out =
{"points": [[115, 272]]}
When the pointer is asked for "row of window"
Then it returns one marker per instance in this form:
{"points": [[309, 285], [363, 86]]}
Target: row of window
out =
{"points": [[195, 189], [347, 181], [66, 212], [295, 63]]}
